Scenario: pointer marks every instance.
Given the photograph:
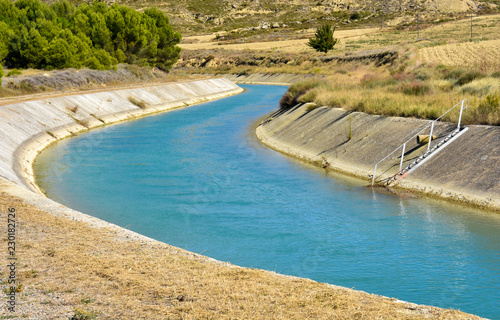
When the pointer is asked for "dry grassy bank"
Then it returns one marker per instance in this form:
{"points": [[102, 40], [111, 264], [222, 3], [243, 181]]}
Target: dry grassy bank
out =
{"points": [[421, 92], [32, 82], [70, 269]]}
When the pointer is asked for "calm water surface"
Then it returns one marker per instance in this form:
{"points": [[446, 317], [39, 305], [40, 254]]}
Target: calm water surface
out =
{"points": [[197, 178]]}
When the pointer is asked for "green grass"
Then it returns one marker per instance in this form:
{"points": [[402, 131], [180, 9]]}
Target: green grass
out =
{"points": [[81, 314]]}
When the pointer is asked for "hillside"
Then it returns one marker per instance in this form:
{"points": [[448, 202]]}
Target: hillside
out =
{"points": [[198, 16]]}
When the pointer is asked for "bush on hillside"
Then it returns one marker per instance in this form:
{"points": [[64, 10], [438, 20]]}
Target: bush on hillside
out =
{"points": [[468, 77]]}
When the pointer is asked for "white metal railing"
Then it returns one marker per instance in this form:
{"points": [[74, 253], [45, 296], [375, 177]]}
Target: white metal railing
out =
{"points": [[431, 124]]}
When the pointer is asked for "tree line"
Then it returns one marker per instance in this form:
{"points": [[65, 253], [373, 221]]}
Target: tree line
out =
{"points": [[97, 36]]}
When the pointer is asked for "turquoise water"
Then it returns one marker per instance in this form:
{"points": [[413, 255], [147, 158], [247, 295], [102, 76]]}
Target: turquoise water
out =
{"points": [[197, 178]]}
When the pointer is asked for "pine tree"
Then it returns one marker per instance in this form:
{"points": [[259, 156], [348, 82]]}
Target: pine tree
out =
{"points": [[323, 40]]}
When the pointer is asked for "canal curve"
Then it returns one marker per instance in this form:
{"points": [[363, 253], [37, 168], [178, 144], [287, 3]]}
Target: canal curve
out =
{"points": [[199, 179]]}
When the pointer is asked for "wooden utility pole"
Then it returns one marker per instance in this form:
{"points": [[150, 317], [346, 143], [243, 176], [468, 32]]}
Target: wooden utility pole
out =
{"points": [[471, 15], [418, 26], [384, 9], [382, 22]]}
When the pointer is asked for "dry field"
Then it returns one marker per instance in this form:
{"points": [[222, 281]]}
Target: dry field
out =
{"points": [[438, 40], [483, 55], [292, 46]]}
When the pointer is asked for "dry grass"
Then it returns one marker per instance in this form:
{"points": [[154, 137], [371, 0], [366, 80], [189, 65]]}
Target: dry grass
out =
{"points": [[484, 28], [484, 56], [33, 85], [438, 44], [66, 267], [428, 79], [289, 46], [421, 92]]}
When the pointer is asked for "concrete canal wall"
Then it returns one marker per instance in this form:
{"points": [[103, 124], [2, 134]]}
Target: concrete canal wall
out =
{"points": [[27, 128], [467, 170]]}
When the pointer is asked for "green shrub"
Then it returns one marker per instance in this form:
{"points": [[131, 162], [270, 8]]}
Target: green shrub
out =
{"points": [[422, 75], [468, 77], [323, 40], [453, 74], [491, 103], [1, 74], [415, 88], [14, 72], [296, 90], [355, 16], [487, 111], [478, 90], [81, 314], [312, 107]]}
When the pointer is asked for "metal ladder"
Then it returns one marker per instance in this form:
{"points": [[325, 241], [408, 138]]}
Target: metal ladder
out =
{"points": [[431, 150]]}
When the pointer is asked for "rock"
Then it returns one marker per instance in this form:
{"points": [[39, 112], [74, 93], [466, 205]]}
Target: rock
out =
{"points": [[265, 25]]}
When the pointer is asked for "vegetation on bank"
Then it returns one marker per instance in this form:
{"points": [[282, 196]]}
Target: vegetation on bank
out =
{"points": [[423, 92], [72, 80], [95, 36], [386, 72]]}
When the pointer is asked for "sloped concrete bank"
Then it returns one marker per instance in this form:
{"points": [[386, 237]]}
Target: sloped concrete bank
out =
{"points": [[27, 128], [466, 171]]}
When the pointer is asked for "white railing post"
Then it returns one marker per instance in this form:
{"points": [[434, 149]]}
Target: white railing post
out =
{"points": [[402, 157], [462, 107], [460, 117], [430, 136], [374, 173]]}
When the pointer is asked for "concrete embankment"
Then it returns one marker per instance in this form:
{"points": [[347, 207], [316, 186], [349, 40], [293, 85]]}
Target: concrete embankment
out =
{"points": [[466, 170], [27, 128]]}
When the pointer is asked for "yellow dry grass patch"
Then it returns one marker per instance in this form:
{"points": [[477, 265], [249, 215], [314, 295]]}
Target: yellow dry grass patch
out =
{"points": [[485, 54], [298, 45], [293, 46], [65, 264]]}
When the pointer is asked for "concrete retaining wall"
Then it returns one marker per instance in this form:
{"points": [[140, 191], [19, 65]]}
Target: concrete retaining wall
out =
{"points": [[27, 128], [467, 170]]}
